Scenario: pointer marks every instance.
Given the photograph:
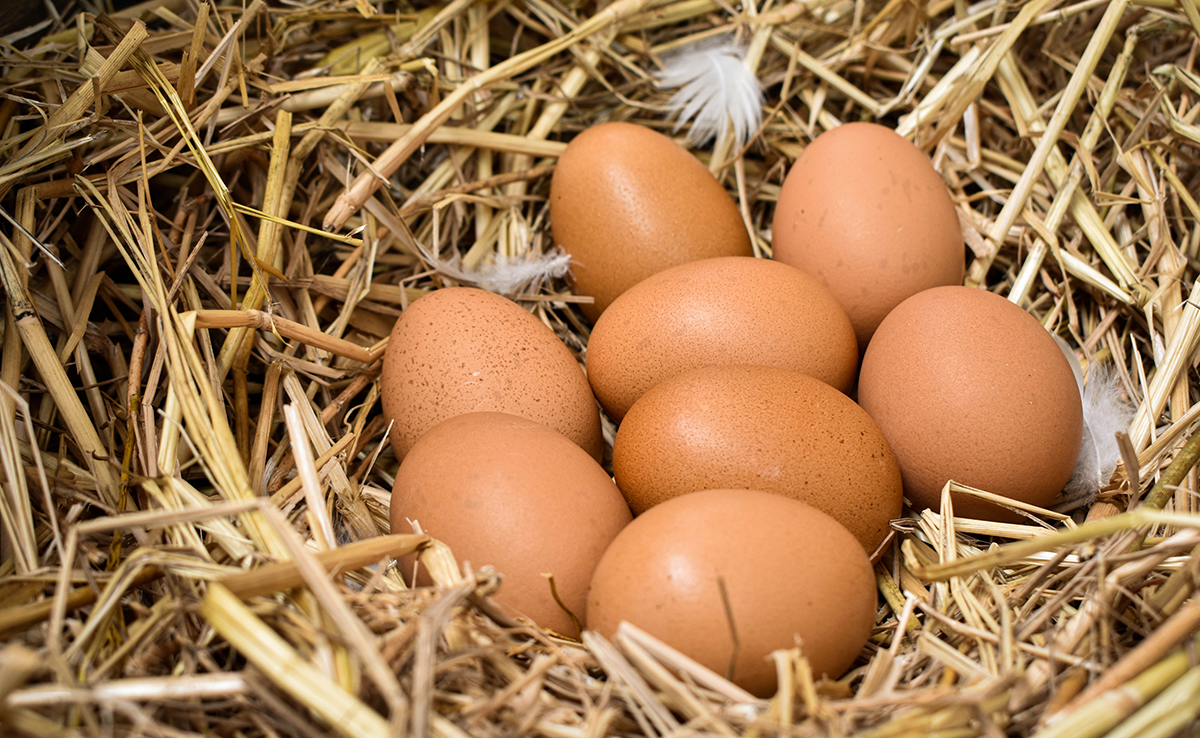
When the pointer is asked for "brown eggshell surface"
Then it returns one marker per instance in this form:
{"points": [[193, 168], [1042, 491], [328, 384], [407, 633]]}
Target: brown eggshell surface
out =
{"points": [[759, 427], [461, 349], [790, 571], [504, 491], [864, 212], [627, 202], [733, 310], [970, 387]]}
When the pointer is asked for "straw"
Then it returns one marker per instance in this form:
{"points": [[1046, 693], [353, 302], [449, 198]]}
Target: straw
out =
{"points": [[212, 214]]}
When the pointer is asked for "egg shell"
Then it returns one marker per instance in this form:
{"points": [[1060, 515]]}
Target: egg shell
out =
{"points": [[759, 427], [461, 349], [970, 387], [790, 571], [731, 310], [864, 212], [627, 202], [505, 491]]}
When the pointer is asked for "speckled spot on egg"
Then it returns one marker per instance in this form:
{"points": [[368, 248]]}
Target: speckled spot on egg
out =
{"points": [[461, 349]]}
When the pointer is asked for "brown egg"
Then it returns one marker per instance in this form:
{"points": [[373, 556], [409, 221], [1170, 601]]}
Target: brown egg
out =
{"points": [[460, 350], [759, 427], [732, 310], [505, 491], [968, 386], [627, 202], [790, 571], [864, 212]]}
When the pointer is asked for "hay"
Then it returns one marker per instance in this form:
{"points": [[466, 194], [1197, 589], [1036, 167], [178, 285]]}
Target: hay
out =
{"points": [[189, 363]]}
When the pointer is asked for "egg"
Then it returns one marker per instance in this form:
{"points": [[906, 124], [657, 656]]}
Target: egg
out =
{"points": [[731, 310], [461, 349], [864, 212], [759, 427], [627, 202], [507, 492], [790, 571], [968, 386]]}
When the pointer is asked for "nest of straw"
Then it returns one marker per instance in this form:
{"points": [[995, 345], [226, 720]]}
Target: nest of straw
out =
{"points": [[213, 213]]}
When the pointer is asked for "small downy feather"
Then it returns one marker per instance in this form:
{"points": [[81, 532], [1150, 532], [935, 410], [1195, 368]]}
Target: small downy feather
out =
{"points": [[506, 276], [716, 90], [1105, 414], [511, 276]]}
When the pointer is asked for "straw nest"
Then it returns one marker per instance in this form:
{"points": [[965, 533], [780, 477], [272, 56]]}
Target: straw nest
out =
{"points": [[200, 270]]}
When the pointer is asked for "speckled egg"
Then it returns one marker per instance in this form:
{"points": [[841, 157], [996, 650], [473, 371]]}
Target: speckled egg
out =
{"points": [[759, 427], [864, 212], [627, 202], [732, 310], [461, 349], [968, 386], [791, 572], [507, 492]]}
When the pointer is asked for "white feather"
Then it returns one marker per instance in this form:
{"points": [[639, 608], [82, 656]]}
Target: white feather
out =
{"points": [[504, 275], [510, 276], [1105, 413], [716, 89]]}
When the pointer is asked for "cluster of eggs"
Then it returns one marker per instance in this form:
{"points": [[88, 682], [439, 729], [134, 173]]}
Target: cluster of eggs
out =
{"points": [[760, 487]]}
